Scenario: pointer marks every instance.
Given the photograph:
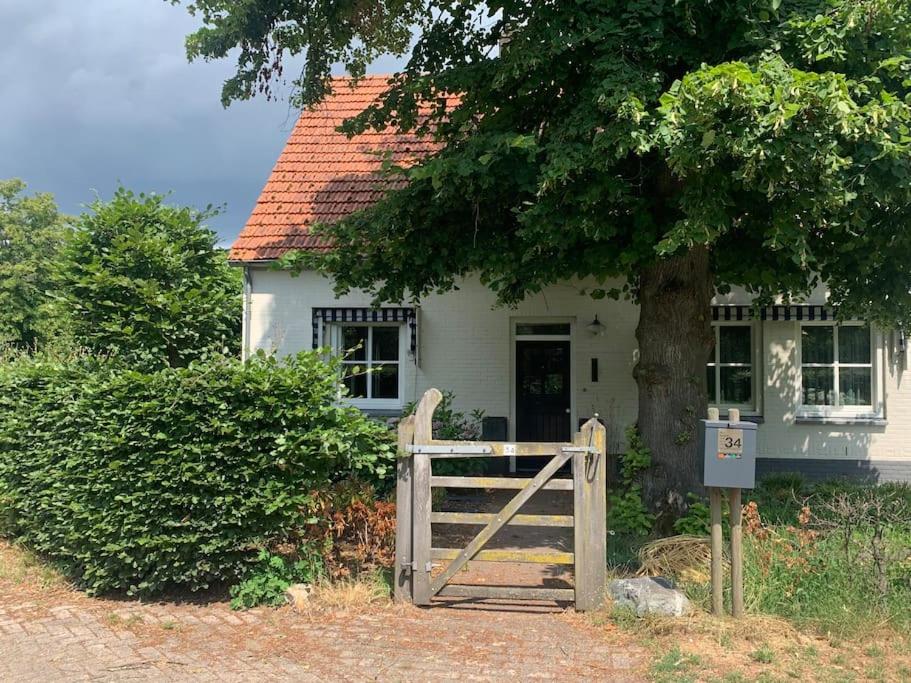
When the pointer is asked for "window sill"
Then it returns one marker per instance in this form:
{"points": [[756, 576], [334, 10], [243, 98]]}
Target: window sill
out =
{"points": [[841, 420]]}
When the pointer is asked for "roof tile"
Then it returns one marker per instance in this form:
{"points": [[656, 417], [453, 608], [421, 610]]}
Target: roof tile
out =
{"points": [[322, 175]]}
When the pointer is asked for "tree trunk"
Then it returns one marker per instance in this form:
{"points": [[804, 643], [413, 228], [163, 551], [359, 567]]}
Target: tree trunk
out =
{"points": [[675, 338]]}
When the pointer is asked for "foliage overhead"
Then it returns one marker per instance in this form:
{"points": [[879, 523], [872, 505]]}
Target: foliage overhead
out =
{"points": [[145, 281], [608, 134], [31, 231], [145, 481]]}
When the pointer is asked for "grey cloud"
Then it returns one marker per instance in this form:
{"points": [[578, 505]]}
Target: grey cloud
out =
{"points": [[96, 92]]}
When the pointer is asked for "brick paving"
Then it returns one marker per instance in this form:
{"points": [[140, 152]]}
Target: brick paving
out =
{"points": [[69, 637]]}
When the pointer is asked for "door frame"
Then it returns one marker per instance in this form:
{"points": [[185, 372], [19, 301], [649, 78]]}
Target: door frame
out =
{"points": [[513, 338]]}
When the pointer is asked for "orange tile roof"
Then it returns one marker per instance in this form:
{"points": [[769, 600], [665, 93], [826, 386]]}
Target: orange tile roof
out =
{"points": [[322, 175]]}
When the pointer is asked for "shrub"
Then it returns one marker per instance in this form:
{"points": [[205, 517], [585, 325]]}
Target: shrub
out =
{"points": [[803, 572], [356, 530], [146, 281], [626, 511], [174, 478], [268, 579], [697, 519], [451, 424]]}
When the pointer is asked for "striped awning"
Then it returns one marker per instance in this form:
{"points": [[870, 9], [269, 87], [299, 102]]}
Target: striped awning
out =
{"points": [[798, 312], [408, 316]]}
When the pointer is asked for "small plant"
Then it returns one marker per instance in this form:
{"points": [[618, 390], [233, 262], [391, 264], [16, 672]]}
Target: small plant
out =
{"points": [[697, 520], [271, 575], [450, 424], [675, 666], [627, 513], [763, 654]]}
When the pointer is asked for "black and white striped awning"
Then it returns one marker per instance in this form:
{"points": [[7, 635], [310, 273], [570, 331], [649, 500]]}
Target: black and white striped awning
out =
{"points": [[322, 316], [799, 312]]}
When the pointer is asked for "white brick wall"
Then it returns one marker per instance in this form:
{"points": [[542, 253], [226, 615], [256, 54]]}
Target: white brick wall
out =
{"points": [[466, 347]]}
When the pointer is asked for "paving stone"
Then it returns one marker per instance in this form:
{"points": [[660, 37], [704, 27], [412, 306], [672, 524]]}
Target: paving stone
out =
{"points": [[79, 641]]}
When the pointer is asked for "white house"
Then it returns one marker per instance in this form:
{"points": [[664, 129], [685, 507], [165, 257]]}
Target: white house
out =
{"points": [[830, 399]]}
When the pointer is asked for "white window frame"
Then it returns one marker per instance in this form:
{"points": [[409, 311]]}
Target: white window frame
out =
{"points": [[335, 337], [753, 407], [874, 410]]}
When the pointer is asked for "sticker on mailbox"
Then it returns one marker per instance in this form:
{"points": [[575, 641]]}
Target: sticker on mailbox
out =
{"points": [[730, 444]]}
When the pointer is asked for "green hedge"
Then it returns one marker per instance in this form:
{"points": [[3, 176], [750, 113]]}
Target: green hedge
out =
{"points": [[148, 481]]}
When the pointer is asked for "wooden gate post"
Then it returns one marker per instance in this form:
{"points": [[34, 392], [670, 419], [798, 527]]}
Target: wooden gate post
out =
{"points": [[423, 435], [590, 516], [403, 512]]}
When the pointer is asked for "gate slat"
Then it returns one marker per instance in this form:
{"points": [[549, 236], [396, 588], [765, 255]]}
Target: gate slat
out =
{"points": [[459, 590], [511, 508], [497, 483], [484, 518], [530, 556]]}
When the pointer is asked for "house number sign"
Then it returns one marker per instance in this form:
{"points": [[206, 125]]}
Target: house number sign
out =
{"points": [[730, 443]]}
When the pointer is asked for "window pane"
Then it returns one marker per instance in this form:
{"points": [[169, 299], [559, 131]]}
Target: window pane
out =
{"points": [[734, 343], [854, 344], [736, 386], [816, 344], [385, 343], [354, 342], [710, 381], [854, 386], [542, 328], [385, 381], [818, 386], [356, 384]]}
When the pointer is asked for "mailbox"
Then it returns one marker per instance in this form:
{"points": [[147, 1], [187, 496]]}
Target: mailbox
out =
{"points": [[728, 453]]}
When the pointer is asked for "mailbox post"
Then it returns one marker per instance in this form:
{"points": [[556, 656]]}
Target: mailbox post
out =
{"points": [[728, 461]]}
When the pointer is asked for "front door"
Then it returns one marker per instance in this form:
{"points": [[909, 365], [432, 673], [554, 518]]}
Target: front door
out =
{"points": [[543, 391]]}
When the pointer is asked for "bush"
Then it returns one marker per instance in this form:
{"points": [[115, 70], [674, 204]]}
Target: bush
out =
{"points": [[356, 530], [838, 564], [450, 424], [174, 478], [146, 281], [268, 579], [626, 511]]}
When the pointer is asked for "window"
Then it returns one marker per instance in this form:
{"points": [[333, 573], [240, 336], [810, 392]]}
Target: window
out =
{"points": [[371, 363], [836, 366], [730, 367]]}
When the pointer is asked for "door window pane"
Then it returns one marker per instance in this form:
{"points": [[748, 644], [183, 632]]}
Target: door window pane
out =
{"points": [[734, 344], [736, 385], [385, 343], [817, 344], [542, 328], [853, 344], [818, 386], [854, 387]]}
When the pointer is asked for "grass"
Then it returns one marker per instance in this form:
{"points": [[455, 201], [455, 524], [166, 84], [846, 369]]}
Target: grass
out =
{"points": [[675, 666], [351, 594], [763, 654], [19, 567]]}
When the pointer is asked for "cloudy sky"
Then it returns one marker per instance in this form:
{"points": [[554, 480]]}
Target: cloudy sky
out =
{"points": [[96, 92]]}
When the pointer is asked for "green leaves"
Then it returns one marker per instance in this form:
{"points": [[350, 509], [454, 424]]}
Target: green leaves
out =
{"points": [[145, 281], [143, 481], [31, 232]]}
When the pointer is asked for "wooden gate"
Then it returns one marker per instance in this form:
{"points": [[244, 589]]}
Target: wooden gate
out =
{"points": [[415, 555]]}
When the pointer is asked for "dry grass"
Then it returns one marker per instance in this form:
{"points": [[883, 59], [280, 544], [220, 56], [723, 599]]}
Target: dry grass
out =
{"points": [[688, 558], [701, 647], [350, 595], [22, 570]]}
